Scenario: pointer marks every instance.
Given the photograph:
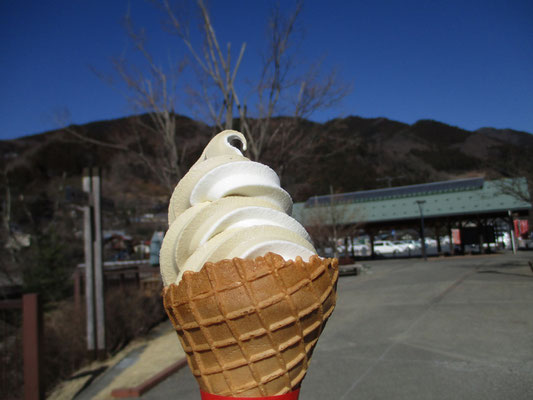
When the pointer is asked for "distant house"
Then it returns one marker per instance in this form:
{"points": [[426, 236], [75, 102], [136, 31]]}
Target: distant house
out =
{"points": [[18, 240]]}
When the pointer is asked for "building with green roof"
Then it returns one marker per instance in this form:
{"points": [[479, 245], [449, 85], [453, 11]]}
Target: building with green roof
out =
{"points": [[445, 205]]}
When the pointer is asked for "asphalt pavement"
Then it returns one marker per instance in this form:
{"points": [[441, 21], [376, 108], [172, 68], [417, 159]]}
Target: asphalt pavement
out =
{"points": [[448, 328]]}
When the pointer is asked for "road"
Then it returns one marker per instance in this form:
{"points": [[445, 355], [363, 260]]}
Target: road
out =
{"points": [[451, 328]]}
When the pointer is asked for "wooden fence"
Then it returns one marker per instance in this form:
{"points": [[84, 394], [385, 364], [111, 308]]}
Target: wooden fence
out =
{"points": [[21, 348]]}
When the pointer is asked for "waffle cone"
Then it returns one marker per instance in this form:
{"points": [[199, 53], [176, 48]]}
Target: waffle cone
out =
{"points": [[248, 327]]}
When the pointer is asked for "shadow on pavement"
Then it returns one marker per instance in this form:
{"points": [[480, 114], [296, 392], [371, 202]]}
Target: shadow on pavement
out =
{"points": [[504, 273]]}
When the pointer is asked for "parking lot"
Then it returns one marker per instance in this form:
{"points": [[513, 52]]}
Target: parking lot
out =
{"points": [[448, 328]]}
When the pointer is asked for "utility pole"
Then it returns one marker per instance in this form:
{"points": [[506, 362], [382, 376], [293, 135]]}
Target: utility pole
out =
{"points": [[511, 231], [422, 236], [89, 265], [333, 213], [98, 265], [94, 274]]}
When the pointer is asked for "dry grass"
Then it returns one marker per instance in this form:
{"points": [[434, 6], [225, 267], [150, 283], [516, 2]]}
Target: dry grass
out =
{"points": [[157, 354], [64, 344], [130, 314]]}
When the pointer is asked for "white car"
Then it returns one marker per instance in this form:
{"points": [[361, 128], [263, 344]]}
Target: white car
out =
{"points": [[412, 244], [360, 249], [431, 242], [402, 245], [386, 247]]}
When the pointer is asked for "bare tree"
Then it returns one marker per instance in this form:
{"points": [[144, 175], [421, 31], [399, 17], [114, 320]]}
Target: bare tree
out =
{"points": [[154, 90], [6, 234], [516, 166], [153, 94], [213, 66], [25, 220], [281, 93], [519, 188], [12, 240], [277, 91], [331, 221]]}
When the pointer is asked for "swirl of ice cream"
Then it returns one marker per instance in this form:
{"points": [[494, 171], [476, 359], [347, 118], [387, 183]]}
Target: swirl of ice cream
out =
{"points": [[227, 206]]}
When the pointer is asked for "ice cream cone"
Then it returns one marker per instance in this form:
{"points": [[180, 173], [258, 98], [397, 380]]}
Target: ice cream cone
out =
{"points": [[249, 327]]}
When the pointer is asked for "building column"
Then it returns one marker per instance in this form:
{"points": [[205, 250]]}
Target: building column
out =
{"points": [[450, 235], [371, 235], [481, 236], [462, 241], [437, 236]]}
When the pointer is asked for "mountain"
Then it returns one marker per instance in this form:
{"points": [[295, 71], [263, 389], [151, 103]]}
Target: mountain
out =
{"points": [[354, 153], [385, 153]]}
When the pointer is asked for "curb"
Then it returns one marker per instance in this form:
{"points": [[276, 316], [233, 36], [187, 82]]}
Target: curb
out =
{"points": [[139, 390]]}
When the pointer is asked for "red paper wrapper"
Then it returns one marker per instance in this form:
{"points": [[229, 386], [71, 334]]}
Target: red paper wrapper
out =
{"points": [[288, 396]]}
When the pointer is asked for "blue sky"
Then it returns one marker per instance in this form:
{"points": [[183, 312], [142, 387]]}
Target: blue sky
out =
{"points": [[465, 63]]}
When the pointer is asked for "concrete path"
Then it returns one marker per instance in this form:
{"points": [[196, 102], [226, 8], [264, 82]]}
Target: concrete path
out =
{"points": [[452, 328], [136, 364]]}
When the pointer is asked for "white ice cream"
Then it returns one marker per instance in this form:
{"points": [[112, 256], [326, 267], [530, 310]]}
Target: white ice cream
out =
{"points": [[227, 206]]}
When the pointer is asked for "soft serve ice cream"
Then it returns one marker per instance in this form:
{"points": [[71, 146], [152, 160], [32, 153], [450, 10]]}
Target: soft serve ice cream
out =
{"points": [[227, 206], [244, 288]]}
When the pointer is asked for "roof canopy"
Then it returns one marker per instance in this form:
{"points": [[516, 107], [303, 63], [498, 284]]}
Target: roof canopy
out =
{"points": [[463, 197]]}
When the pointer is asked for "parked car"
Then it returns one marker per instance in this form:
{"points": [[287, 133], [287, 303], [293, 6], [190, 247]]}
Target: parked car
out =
{"points": [[431, 242], [361, 249], [412, 244], [402, 245], [386, 247]]}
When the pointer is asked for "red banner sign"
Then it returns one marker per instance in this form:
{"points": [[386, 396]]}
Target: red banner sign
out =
{"points": [[521, 227], [456, 236]]}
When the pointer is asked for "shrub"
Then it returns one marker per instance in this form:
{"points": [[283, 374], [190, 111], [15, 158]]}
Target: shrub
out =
{"points": [[48, 268], [64, 342], [130, 314]]}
